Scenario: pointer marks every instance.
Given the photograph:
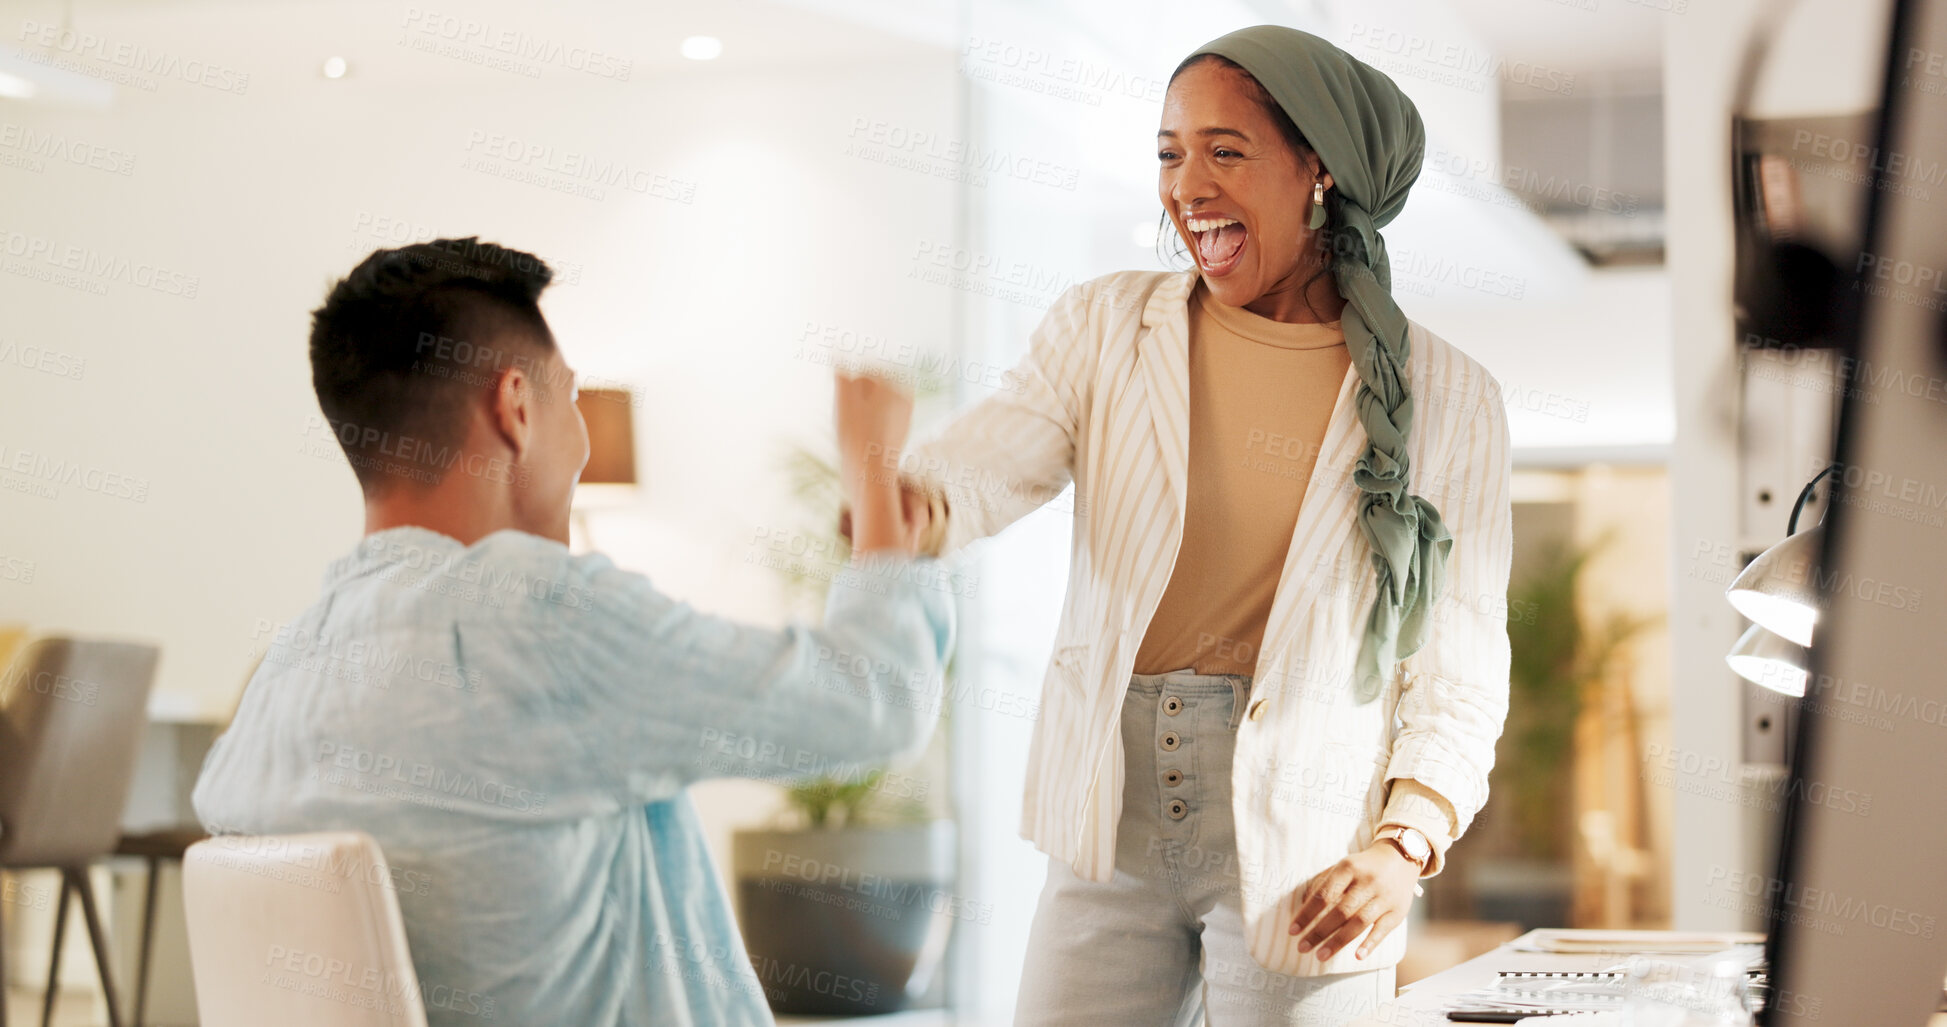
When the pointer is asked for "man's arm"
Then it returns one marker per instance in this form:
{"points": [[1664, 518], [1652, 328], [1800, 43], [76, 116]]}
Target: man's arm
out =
{"points": [[668, 695], [674, 695], [873, 417]]}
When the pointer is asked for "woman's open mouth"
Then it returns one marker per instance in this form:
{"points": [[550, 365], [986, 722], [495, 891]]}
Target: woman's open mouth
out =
{"points": [[1220, 243]]}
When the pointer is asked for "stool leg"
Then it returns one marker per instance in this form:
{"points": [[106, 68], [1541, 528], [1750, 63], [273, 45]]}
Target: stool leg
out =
{"points": [[100, 938], [148, 937], [54, 959]]}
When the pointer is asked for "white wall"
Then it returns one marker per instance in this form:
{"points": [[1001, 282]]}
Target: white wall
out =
{"points": [[264, 197], [1585, 368]]}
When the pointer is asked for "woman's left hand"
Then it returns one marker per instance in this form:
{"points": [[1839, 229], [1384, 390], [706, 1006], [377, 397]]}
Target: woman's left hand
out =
{"points": [[1370, 889]]}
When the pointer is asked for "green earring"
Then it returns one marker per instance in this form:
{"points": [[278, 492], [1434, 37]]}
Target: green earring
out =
{"points": [[1318, 206]]}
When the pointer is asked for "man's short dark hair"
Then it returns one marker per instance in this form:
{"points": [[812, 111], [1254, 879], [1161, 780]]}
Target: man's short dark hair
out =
{"points": [[404, 339]]}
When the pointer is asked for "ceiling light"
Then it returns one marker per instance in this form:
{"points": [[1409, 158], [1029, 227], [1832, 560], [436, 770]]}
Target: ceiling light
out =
{"points": [[702, 48], [334, 67], [13, 87]]}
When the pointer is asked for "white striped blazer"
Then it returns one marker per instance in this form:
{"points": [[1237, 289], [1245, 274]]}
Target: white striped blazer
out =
{"points": [[1102, 400]]}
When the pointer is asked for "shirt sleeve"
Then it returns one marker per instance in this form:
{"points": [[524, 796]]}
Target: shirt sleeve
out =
{"points": [[1412, 804], [1455, 694], [1015, 450], [664, 695]]}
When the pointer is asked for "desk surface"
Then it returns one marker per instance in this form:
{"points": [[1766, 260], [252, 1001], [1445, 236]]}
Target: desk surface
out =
{"points": [[1424, 1003]]}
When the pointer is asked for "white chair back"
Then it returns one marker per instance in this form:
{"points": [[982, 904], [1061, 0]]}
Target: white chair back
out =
{"points": [[297, 931], [72, 712]]}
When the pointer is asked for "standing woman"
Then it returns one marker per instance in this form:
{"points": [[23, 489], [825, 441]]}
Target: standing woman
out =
{"points": [[1282, 662]]}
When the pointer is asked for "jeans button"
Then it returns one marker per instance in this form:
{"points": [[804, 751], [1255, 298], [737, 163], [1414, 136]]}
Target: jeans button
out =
{"points": [[1172, 706], [1171, 741], [1178, 809], [1172, 777]]}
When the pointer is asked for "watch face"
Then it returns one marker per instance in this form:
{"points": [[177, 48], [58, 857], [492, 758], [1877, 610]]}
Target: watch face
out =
{"points": [[1416, 845], [1412, 843]]}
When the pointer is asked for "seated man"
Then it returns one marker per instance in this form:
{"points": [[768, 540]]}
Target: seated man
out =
{"points": [[516, 724]]}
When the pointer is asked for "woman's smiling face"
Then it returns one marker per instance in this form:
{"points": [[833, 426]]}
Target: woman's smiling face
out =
{"points": [[1239, 194]]}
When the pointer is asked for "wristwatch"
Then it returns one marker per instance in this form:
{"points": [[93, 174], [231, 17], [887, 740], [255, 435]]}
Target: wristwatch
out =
{"points": [[1410, 843]]}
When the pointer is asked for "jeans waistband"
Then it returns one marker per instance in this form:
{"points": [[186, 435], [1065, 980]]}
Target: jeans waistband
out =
{"points": [[1189, 682], [1187, 678]]}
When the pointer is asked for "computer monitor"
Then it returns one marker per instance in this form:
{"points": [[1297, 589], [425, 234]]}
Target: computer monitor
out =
{"points": [[1858, 907]]}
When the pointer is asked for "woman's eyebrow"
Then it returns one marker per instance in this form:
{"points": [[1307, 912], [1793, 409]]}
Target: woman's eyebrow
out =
{"points": [[1207, 132]]}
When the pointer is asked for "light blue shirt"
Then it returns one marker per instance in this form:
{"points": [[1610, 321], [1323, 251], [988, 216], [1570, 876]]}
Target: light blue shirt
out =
{"points": [[516, 725]]}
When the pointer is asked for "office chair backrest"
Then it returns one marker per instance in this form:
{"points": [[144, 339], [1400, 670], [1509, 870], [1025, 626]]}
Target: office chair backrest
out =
{"points": [[72, 713], [297, 931]]}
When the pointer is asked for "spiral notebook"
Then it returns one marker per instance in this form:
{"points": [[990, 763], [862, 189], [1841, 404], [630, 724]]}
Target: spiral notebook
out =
{"points": [[1540, 993], [1522, 993]]}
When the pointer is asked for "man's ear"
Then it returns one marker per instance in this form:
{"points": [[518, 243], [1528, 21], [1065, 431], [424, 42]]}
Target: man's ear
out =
{"points": [[511, 409]]}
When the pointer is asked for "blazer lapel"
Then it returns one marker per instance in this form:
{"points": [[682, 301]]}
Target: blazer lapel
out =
{"points": [[1163, 351]]}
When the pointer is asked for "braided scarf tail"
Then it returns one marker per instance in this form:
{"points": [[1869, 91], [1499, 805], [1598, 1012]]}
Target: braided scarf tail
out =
{"points": [[1410, 543]]}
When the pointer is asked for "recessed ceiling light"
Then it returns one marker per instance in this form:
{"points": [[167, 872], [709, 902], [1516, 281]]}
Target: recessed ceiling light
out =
{"points": [[13, 87], [702, 48], [334, 67]]}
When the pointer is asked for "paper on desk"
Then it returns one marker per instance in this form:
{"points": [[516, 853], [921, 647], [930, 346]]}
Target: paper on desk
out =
{"points": [[1676, 943]]}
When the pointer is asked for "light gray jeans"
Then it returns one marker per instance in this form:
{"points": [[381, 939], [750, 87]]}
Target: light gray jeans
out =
{"points": [[1163, 942]]}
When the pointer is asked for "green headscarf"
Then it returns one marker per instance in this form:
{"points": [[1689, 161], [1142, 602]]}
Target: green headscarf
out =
{"points": [[1369, 136]]}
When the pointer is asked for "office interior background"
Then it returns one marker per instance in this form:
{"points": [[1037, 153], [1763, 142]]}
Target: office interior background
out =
{"points": [[739, 196]]}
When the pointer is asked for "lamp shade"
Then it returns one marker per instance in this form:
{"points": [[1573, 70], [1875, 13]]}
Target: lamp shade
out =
{"points": [[610, 415], [1780, 589], [1764, 658]]}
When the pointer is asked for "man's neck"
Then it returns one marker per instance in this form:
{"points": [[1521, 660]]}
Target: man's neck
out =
{"points": [[463, 514]]}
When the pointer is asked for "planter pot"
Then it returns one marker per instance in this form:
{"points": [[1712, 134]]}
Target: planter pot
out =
{"points": [[851, 921]]}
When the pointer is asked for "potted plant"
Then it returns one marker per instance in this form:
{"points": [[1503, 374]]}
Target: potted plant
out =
{"points": [[1559, 663], [848, 912]]}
